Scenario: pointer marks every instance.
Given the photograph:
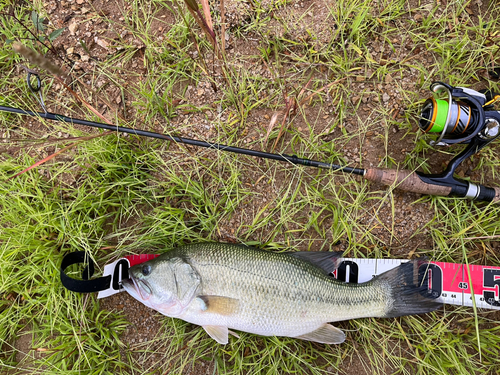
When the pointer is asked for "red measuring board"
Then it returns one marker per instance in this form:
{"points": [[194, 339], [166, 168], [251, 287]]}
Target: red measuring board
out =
{"points": [[450, 282], [140, 258]]}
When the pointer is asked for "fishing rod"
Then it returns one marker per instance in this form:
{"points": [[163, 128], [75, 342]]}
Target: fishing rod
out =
{"points": [[466, 116]]}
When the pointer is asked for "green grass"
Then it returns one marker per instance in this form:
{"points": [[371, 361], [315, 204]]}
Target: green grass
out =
{"points": [[116, 195]]}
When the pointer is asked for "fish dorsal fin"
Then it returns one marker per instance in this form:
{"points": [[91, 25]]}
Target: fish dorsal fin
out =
{"points": [[219, 305], [326, 334], [218, 333], [326, 260]]}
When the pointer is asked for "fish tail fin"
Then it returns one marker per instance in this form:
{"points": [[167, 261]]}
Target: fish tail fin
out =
{"points": [[409, 289]]}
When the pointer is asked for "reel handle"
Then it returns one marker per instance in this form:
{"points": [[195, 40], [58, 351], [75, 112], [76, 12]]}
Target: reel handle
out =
{"points": [[411, 181]]}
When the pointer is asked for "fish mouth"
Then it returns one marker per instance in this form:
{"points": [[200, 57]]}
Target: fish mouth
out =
{"points": [[138, 289]]}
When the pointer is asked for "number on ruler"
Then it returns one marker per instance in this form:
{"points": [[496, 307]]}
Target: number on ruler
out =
{"points": [[491, 279], [435, 279], [353, 271], [463, 285], [118, 276]]}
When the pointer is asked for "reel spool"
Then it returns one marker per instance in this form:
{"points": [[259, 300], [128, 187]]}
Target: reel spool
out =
{"points": [[437, 110]]}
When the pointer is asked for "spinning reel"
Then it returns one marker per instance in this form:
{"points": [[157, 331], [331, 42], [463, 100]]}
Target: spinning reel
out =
{"points": [[461, 117], [466, 116]]}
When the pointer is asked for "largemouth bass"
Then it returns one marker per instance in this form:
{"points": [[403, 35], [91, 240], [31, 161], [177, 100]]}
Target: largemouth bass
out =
{"points": [[223, 286]]}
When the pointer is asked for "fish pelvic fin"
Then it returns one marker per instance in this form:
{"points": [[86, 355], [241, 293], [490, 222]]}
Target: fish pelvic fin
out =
{"points": [[218, 333], [326, 334], [408, 285], [233, 333], [218, 305], [328, 261]]}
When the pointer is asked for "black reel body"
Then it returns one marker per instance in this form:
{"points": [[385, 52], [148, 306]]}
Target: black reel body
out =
{"points": [[461, 118]]}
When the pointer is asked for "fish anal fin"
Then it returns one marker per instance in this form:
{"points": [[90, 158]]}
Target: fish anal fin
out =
{"points": [[328, 261], [326, 334], [218, 333], [219, 305]]}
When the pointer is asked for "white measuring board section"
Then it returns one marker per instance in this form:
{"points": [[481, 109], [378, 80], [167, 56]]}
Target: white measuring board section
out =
{"points": [[116, 272], [450, 282]]}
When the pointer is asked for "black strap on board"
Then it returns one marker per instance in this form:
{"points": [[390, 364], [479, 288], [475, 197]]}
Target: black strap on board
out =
{"points": [[86, 285]]}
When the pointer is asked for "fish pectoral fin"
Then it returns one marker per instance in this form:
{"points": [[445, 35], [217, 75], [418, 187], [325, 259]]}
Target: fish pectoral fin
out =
{"points": [[219, 305], [326, 260], [326, 334], [218, 333]]}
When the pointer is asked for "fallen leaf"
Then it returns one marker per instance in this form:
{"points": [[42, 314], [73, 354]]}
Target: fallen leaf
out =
{"points": [[271, 125]]}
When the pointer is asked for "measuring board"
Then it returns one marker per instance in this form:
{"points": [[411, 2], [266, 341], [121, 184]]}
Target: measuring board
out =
{"points": [[448, 282]]}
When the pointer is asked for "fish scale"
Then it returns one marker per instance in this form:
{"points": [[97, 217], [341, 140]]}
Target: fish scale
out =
{"points": [[267, 281], [226, 286]]}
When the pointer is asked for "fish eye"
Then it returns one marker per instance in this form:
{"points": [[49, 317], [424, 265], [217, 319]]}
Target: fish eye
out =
{"points": [[146, 269]]}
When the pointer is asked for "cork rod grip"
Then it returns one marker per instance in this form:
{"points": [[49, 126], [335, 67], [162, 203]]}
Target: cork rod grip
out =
{"points": [[496, 199], [409, 181]]}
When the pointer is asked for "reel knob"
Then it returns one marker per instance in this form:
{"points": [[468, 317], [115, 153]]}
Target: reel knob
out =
{"points": [[491, 129]]}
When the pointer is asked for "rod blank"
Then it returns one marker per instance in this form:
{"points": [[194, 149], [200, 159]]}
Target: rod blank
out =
{"points": [[193, 142]]}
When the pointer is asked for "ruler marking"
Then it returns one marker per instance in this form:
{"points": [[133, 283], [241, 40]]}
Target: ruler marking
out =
{"points": [[463, 293]]}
